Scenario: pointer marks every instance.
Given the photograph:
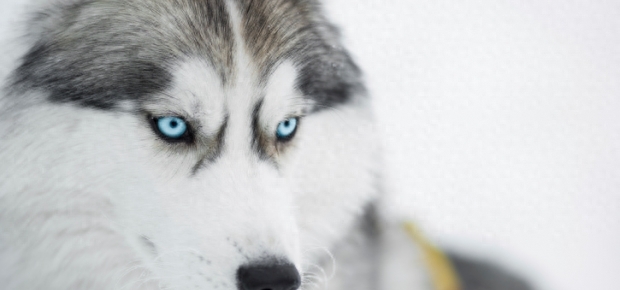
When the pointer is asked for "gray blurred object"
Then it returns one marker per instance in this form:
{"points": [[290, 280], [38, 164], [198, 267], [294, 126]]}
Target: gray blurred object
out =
{"points": [[476, 274]]}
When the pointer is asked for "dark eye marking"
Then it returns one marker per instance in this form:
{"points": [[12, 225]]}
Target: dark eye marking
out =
{"points": [[172, 129], [286, 129]]}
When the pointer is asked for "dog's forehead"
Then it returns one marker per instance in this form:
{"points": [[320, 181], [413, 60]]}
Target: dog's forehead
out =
{"points": [[102, 52]]}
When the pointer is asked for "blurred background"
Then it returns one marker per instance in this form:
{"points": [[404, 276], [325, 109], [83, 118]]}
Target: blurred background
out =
{"points": [[501, 124]]}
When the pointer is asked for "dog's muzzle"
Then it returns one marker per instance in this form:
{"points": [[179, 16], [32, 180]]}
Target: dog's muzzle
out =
{"points": [[268, 275]]}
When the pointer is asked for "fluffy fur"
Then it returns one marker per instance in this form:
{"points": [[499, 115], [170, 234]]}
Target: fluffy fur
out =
{"points": [[92, 198]]}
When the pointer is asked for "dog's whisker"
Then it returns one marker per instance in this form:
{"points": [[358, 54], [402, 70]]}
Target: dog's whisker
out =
{"points": [[323, 276], [140, 279], [330, 255], [310, 283]]}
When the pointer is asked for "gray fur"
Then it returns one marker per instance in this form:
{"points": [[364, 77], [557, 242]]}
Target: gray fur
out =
{"points": [[97, 53], [213, 148], [295, 29], [102, 52], [480, 275], [357, 255]]}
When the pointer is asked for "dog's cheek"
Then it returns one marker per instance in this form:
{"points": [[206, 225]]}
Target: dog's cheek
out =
{"points": [[334, 164]]}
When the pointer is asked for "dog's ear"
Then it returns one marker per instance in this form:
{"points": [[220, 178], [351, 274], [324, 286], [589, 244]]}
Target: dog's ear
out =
{"points": [[47, 17]]}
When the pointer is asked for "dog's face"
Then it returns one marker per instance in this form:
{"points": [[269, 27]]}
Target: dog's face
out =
{"points": [[182, 143]]}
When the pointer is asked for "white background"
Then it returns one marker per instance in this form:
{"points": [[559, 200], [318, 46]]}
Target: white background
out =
{"points": [[501, 122]]}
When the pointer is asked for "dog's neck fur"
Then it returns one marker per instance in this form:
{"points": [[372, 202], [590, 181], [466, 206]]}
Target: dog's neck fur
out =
{"points": [[377, 254]]}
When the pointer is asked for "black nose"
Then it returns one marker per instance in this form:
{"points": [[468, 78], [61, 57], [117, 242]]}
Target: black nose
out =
{"points": [[268, 276]]}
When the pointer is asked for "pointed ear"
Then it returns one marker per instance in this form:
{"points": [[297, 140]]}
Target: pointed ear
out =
{"points": [[46, 17]]}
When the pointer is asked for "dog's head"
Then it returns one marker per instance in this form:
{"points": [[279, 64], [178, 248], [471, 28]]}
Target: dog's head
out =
{"points": [[203, 144]]}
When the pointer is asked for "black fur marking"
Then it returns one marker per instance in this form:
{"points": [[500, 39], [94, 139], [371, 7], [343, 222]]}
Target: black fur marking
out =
{"points": [[258, 138], [295, 30], [216, 152], [91, 79], [330, 82], [99, 53], [370, 222], [370, 229], [149, 244], [221, 134]]}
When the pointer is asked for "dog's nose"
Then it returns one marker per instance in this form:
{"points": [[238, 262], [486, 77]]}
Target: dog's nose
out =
{"points": [[268, 276]]}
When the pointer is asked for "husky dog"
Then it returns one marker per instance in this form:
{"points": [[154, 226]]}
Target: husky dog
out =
{"points": [[190, 144]]}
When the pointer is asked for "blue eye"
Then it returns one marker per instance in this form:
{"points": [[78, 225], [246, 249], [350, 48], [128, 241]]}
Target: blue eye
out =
{"points": [[171, 127], [286, 129]]}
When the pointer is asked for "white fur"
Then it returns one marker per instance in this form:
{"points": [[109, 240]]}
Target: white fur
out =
{"points": [[81, 189]]}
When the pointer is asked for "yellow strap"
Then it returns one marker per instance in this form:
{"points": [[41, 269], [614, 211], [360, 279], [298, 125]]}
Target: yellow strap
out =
{"points": [[442, 273]]}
